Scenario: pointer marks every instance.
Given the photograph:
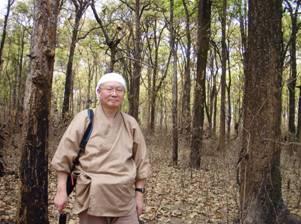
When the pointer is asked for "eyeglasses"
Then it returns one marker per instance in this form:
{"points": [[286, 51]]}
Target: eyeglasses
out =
{"points": [[112, 89]]}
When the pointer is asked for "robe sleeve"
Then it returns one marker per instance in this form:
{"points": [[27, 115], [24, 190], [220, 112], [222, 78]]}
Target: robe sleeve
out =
{"points": [[68, 147], [140, 154]]}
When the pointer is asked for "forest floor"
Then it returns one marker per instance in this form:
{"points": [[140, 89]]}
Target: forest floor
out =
{"points": [[175, 195]]}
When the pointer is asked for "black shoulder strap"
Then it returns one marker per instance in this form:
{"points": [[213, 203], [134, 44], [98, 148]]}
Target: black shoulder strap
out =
{"points": [[85, 138], [88, 131]]}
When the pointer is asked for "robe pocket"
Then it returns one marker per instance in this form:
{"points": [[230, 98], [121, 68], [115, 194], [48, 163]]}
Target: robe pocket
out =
{"points": [[83, 190], [123, 194], [112, 196]]}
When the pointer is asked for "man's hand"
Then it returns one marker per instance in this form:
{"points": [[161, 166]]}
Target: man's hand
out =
{"points": [[61, 197], [139, 203], [60, 200]]}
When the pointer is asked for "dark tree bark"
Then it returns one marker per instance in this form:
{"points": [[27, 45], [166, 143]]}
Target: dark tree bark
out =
{"points": [[242, 25], [134, 91], [212, 93], [20, 78], [90, 78], [33, 200], [186, 111], [174, 87], [9, 5], [2, 140], [80, 8], [203, 34], [260, 188], [135, 73], [299, 116], [293, 11], [242, 5], [228, 88], [222, 127]]}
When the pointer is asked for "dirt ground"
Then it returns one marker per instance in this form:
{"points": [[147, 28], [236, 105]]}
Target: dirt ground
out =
{"points": [[175, 195]]}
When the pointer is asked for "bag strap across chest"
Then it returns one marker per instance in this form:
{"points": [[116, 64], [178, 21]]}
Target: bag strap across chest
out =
{"points": [[85, 139]]}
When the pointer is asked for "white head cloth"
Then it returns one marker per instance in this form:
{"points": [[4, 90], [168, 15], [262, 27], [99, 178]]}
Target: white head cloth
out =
{"points": [[110, 77]]}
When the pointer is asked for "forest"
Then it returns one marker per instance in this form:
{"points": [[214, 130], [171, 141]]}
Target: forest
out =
{"points": [[214, 84]]}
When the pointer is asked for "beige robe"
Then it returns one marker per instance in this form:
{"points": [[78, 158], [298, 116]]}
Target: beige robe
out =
{"points": [[115, 157]]}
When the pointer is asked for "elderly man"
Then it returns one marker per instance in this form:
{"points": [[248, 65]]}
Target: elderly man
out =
{"points": [[113, 168]]}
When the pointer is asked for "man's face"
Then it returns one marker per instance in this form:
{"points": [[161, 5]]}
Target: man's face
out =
{"points": [[111, 94]]}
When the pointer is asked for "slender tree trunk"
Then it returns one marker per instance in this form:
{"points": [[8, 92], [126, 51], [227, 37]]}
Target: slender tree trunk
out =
{"points": [[153, 110], [211, 92], [214, 120], [21, 80], [243, 32], [204, 18], [174, 87], [69, 72], [299, 116], [90, 78], [80, 8], [222, 128], [187, 80], [2, 140], [33, 200], [154, 89], [260, 189], [292, 86], [229, 107], [155, 82], [213, 96], [3, 37], [111, 42], [15, 86], [293, 76], [134, 90]]}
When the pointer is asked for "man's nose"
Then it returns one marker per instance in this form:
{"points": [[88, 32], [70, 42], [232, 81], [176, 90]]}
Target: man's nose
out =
{"points": [[114, 92]]}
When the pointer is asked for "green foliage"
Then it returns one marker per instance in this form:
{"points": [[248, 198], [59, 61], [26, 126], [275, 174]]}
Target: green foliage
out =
{"points": [[93, 55]]}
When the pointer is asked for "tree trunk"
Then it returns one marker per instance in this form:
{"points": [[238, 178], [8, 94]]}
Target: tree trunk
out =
{"points": [[299, 116], [80, 8], [213, 97], [9, 5], [293, 75], [111, 42], [243, 33], [211, 92], [242, 26], [174, 88], [33, 199], [260, 189], [2, 140], [21, 79], [187, 80], [203, 34], [153, 86], [90, 78], [134, 90], [149, 95], [228, 87], [222, 128]]}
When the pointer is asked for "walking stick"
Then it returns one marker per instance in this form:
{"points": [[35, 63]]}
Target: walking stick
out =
{"points": [[63, 218]]}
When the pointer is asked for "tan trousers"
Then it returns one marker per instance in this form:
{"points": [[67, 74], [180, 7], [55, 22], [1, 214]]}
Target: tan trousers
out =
{"points": [[132, 218]]}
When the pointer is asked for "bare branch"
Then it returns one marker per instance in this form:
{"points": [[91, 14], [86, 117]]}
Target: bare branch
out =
{"points": [[127, 4], [87, 33], [108, 40]]}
